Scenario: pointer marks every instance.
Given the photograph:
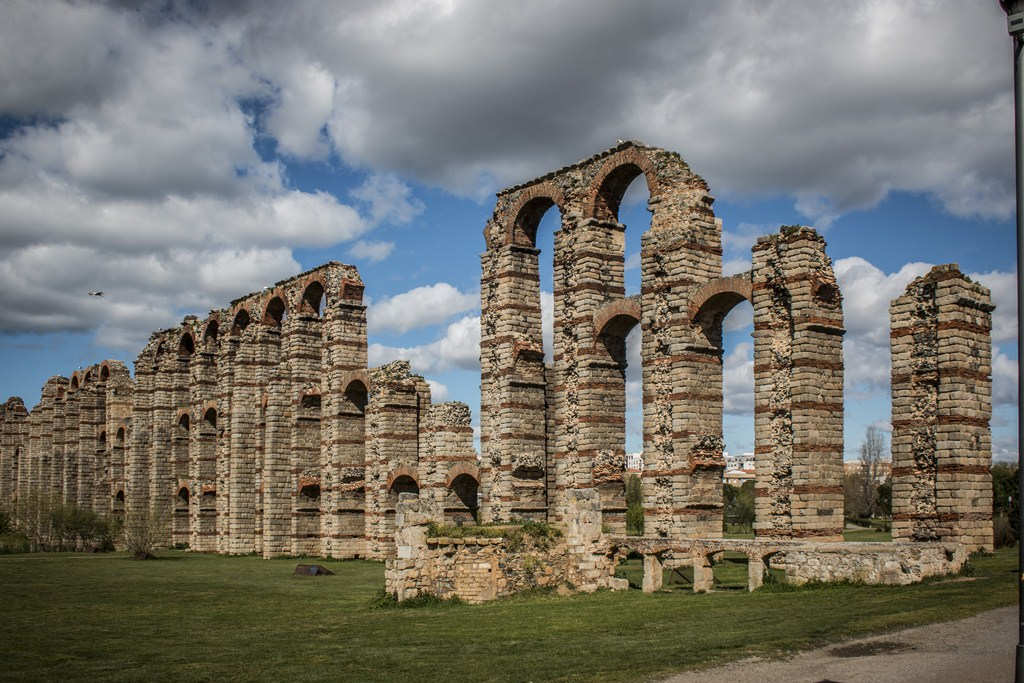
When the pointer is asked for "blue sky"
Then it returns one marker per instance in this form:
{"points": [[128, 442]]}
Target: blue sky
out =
{"points": [[179, 155]]}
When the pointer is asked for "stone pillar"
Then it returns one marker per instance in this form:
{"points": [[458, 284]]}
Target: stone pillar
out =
{"points": [[755, 572], [682, 372], [703, 574], [202, 447], [14, 449], [513, 385], [592, 388], [941, 407], [70, 413], [226, 362], [654, 573], [392, 450], [279, 477], [449, 477], [302, 353], [344, 396], [120, 390], [798, 388], [258, 353]]}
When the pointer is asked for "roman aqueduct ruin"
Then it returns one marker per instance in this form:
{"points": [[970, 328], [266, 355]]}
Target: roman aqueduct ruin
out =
{"points": [[261, 429]]}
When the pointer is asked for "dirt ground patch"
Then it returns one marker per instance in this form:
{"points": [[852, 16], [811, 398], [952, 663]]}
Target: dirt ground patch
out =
{"points": [[980, 648]]}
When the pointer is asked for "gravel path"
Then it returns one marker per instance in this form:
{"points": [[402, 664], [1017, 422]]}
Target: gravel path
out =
{"points": [[980, 648]]}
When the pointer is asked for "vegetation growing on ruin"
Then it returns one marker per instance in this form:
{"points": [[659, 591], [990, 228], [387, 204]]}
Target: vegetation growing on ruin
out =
{"points": [[206, 617], [509, 530]]}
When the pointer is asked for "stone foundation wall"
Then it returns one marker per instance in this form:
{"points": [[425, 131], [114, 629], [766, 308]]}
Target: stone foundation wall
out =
{"points": [[896, 564], [478, 569]]}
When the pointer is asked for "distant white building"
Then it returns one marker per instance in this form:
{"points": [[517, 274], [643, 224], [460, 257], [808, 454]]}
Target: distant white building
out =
{"points": [[738, 469], [634, 462]]}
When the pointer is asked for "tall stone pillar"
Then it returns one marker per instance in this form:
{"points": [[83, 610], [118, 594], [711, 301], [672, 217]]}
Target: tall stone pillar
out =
{"points": [[258, 354], [683, 443], [140, 456], [798, 388], [13, 449], [941, 407], [592, 442], [392, 450], [513, 386], [344, 397]]}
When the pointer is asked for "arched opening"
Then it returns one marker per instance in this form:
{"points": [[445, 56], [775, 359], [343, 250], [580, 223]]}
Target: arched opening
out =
{"points": [[463, 503], [73, 384], [314, 299], [402, 484], [274, 313], [187, 345], [88, 377], [346, 500], [210, 335], [118, 506], [104, 373], [621, 201], [724, 316], [210, 418], [309, 498], [533, 464], [119, 437], [240, 322], [180, 518]]}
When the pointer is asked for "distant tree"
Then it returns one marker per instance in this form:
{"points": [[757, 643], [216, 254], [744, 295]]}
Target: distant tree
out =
{"points": [[634, 506], [1005, 501], [738, 502], [884, 493], [872, 454]]}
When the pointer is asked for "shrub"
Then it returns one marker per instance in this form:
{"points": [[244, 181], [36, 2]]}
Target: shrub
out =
{"points": [[143, 530], [6, 522], [634, 506], [1002, 532]]}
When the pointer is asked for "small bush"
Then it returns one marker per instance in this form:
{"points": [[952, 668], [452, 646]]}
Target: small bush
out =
{"points": [[14, 542], [143, 530], [1002, 532], [384, 600], [6, 522]]}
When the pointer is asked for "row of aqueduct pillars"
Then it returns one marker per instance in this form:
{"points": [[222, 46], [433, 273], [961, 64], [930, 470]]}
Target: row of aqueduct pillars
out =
{"points": [[268, 436], [941, 450]]}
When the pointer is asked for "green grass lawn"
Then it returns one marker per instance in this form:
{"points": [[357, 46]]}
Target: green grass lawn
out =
{"points": [[202, 617]]}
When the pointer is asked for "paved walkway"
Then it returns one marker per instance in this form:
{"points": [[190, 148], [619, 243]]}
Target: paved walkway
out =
{"points": [[978, 649]]}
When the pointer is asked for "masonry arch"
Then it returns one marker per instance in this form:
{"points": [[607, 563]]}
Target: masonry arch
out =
{"points": [[314, 299], [402, 479], [240, 322], [274, 312], [104, 372], [527, 211], [613, 179], [186, 345], [462, 502]]}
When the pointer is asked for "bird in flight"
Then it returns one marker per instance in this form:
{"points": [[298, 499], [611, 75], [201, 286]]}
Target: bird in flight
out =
{"points": [[95, 293]]}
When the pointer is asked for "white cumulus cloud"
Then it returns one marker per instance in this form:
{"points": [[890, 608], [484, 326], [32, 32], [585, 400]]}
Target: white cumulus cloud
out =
{"points": [[419, 307]]}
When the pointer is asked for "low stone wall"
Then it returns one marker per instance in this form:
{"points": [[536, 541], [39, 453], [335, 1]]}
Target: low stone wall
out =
{"points": [[475, 569], [478, 569], [874, 563]]}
